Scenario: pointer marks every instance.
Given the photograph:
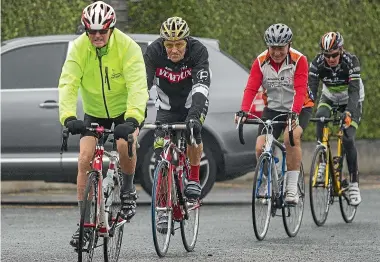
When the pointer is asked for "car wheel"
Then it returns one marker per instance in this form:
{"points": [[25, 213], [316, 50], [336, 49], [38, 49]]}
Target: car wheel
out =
{"points": [[207, 172]]}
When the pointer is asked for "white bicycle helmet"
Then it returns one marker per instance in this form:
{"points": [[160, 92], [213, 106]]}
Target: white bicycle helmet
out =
{"points": [[98, 16], [278, 35]]}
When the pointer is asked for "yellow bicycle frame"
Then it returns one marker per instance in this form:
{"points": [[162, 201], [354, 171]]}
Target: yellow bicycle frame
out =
{"points": [[337, 173], [325, 141]]}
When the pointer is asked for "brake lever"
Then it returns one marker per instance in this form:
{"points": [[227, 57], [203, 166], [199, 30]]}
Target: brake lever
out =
{"points": [[65, 138], [291, 138], [192, 139], [130, 145]]}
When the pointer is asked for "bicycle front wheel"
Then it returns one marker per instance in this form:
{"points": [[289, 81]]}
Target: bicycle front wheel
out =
{"points": [[112, 244], [319, 190], [189, 226], [348, 211], [88, 220], [162, 213], [261, 197], [292, 215]]}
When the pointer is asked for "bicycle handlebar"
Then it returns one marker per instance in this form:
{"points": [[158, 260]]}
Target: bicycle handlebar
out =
{"points": [[100, 130], [255, 122], [168, 127]]}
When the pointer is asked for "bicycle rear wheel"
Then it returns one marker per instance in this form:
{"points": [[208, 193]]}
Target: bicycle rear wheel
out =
{"points": [[292, 215], [261, 197], [161, 199], [348, 211], [112, 244], [86, 253], [319, 192]]}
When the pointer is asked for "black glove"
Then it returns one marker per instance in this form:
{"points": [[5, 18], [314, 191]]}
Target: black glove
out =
{"points": [[123, 130], [241, 113], [75, 126], [197, 127]]}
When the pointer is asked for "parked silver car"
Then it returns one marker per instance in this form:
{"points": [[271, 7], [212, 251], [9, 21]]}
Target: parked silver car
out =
{"points": [[31, 132]]}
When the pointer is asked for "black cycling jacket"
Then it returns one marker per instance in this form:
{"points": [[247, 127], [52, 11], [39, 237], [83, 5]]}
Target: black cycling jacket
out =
{"points": [[341, 84], [183, 85]]}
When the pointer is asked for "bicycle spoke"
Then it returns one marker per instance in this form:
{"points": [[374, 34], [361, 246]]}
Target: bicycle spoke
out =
{"points": [[261, 198], [292, 215], [161, 209], [320, 189]]}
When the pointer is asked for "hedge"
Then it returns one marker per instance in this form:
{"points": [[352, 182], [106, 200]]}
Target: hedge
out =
{"points": [[239, 26], [40, 17]]}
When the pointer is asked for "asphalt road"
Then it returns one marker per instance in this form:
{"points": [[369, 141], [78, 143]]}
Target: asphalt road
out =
{"points": [[42, 233]]}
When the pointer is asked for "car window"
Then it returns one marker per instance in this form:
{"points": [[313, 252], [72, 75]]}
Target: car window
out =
{"points": [[35, 66]]}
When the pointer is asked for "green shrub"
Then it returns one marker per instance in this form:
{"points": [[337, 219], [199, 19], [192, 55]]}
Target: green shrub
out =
{"points": [[40, 17], [240, 25]]}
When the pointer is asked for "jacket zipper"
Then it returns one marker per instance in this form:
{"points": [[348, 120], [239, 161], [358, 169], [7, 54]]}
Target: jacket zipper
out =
{"points": [[107, 79], [101, 76]]}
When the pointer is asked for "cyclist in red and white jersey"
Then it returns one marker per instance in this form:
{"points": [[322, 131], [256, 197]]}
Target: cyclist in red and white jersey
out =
{"points": [[282, 72]]}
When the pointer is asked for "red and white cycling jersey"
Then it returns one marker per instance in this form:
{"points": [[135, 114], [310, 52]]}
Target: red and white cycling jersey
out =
{"points": [[284, 85]]}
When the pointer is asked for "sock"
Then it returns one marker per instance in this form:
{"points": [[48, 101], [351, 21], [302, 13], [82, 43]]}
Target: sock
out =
{"points": [[127, 182], [194, 173], [291, 181]]}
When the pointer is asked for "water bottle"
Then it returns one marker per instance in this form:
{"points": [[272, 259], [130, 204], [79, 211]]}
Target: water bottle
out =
{"points": [[108, 185]]}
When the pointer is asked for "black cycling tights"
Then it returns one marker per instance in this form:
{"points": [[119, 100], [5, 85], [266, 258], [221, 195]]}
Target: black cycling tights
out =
{"points": [[348, 143]]}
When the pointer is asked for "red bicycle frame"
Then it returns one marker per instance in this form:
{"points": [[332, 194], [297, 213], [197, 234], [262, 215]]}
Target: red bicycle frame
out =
{"points": [[172, 154]]}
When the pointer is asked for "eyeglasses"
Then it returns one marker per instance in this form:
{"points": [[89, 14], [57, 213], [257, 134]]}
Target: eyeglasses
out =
{"points": [[93, 32], [171, 45], [334, 55]]}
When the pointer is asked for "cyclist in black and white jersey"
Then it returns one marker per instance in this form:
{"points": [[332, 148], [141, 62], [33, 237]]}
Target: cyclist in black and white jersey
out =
{"points": [[339, 72], [178, 66]]}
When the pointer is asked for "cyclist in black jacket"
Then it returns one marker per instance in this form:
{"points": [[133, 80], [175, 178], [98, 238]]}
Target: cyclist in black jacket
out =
{"points": [[178, 66], [339, 72]]}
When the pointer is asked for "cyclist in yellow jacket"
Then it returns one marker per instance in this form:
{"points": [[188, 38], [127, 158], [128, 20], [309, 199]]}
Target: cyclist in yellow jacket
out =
{"points": [[108, 68]]}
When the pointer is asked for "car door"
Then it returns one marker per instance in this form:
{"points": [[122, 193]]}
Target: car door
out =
{"points": [[29, 105]]}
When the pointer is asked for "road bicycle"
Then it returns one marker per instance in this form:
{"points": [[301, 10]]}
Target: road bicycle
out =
{"points": [[268, 193], [168, 199], [327, 179], [101, 200]]}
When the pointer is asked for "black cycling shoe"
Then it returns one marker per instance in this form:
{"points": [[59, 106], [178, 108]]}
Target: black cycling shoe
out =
{"points": [[193, 190], [74, 242], [128, 204]]}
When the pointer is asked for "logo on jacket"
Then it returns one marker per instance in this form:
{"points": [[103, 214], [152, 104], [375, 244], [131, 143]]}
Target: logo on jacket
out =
{"points": [[115, 74], [202, 75], [173, 77]]}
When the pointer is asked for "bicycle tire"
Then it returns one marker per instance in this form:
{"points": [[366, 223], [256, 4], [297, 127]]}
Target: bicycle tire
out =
{"points": [[112, 244], [89, 198], [192, 208], [348, 211], [266, 201], [160, 179], [319, 220], [287, 210]]}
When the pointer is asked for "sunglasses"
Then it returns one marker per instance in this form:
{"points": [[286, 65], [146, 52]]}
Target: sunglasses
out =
{"points": [[171, 45], [331, 55], [93, 32]]}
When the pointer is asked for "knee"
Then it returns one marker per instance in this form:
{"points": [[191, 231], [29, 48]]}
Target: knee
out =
{"points": [[348, 141], [122, 146], [84, 159], [296, 138]]}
